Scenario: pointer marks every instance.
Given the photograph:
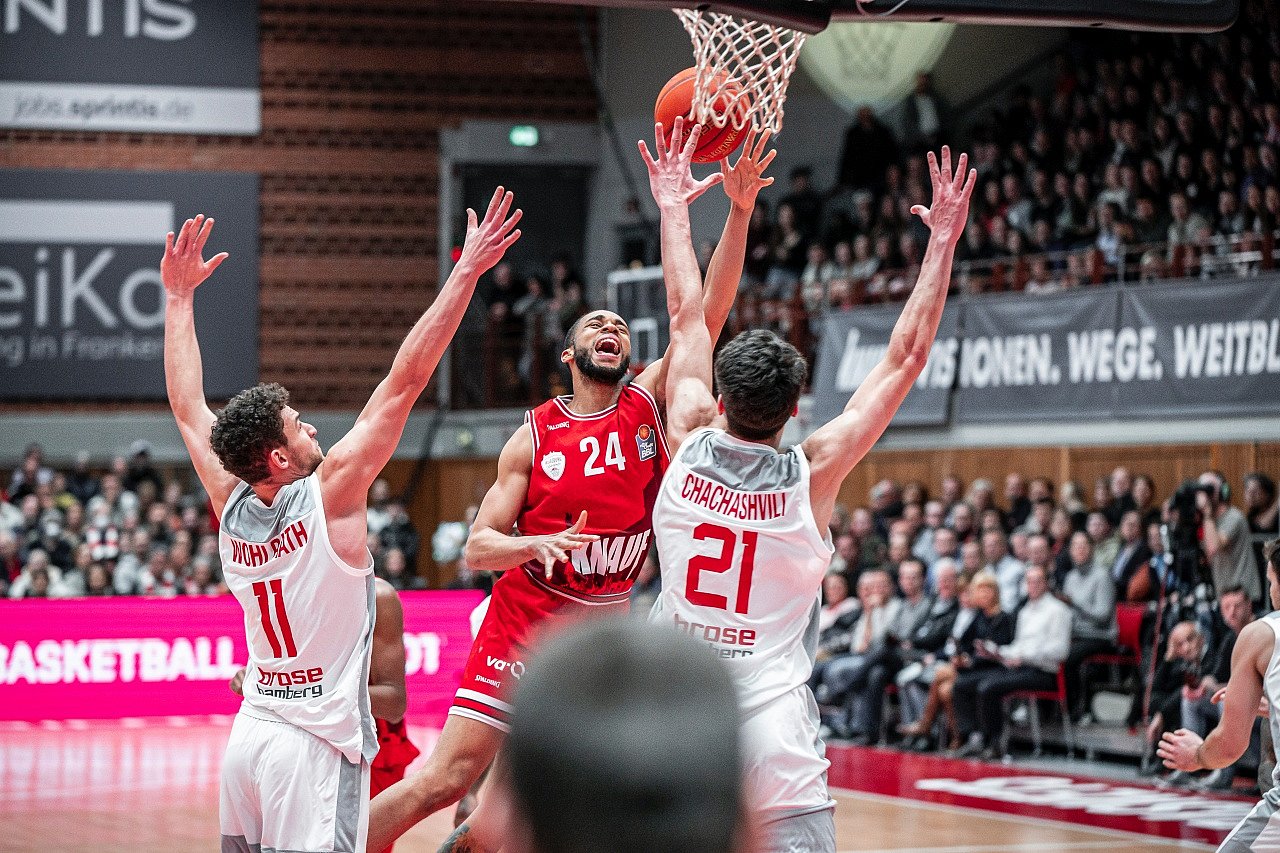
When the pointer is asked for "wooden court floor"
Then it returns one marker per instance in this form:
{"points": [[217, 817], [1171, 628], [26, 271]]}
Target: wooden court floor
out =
{"points": [[151, 787]]}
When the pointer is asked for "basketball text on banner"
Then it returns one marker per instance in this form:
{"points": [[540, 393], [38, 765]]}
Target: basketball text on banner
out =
{"points": [[81, 302], [163, 66], [854, 342], [146, 657]]}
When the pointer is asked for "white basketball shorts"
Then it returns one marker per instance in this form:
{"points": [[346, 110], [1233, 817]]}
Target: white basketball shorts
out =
{"points": [[283, 788]]}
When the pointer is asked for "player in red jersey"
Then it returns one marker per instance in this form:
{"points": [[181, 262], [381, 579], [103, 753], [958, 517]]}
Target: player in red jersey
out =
{"points": [[598, 454]]}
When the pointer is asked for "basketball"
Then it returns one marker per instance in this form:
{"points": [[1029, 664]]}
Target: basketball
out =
{"points": [[676, 99]]}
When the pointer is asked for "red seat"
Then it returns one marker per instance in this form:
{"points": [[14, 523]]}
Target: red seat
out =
{"points": [[1129, 642]]}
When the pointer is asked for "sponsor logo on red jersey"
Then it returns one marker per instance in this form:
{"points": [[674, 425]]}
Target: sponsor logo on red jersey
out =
{"points": [[553, 464], [646, 442]]}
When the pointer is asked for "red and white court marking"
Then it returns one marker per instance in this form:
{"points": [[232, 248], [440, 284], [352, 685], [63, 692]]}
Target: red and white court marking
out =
{"points": [[1012, 790]]}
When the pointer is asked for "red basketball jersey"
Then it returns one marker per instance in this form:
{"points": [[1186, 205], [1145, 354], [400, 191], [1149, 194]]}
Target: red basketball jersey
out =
{"points": [[610, 464]]}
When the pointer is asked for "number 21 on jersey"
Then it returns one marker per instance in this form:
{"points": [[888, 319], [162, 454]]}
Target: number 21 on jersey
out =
{"points": [[722, 562]]}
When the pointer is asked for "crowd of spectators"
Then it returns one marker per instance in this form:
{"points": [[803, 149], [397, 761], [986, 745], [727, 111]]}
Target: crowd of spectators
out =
{"points": [[134, 529], [965, 597], [526, 316], [1149, 156]]}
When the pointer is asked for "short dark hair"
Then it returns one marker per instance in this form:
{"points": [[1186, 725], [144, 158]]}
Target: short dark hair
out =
{"points": [[249, 428], [653, 739], [1234, 589], [760, 377], [1271, 551]]}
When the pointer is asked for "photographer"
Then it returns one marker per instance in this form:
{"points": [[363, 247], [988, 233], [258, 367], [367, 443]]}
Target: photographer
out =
{"points": [[1225, 538]]}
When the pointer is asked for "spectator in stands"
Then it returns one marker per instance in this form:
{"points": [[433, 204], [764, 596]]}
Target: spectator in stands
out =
{"points": [[1225, 539], [75, 579], [1106, 544], [945, 546], [924, 115], [864, 646], [1089, 591], [377, 515], [869, 148], [986, 622], [395, 570], [865, 699], [971, 561], [37, 563], [919, 652], [1199, 714], [961, 521], [400, 533], [804, 200], [1184, 227], [98, 581], [24, 480], [836, 601], [872, 547], [1262, 509], [1131, 568], [1007, 569], [1179, 669], [1030, 662], [81, 482], [141, 470]]}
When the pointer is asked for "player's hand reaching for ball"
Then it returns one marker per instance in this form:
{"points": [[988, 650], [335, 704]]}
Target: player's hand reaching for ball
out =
{"points": [[488, 239], [555, 547], [947, 215], [670, 178], [182, 269], [742, 180]]}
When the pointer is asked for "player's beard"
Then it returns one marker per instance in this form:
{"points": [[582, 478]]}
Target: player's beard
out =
{"points": [[595, 372]]}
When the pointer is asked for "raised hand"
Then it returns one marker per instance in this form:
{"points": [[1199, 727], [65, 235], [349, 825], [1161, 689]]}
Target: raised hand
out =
{"points": [[670, 178], [950, 209], [742, 181], [183, 268], [555, 548], [488, 240]]}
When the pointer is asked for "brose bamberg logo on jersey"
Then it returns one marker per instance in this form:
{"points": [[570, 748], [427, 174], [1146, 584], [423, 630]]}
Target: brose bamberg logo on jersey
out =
{"points": [[553, 464], [296, 684], [646, 442]]}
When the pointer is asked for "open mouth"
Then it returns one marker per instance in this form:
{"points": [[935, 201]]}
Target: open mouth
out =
{"points": [[609, 346]]}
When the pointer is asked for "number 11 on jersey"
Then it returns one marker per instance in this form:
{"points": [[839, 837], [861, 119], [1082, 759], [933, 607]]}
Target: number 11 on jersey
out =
{"points": [[720, 563]]}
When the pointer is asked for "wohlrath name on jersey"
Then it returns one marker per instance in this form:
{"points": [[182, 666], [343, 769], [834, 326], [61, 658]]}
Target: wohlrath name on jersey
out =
{"points": [[731, 503], [254, 554]]}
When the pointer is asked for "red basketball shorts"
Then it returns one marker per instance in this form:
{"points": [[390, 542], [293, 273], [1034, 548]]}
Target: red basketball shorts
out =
{"points": [[522, 613]]}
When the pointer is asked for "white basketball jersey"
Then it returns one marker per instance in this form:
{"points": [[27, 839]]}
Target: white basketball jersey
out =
{"points": [[1271, 685], [742, 559], [308, 617]]}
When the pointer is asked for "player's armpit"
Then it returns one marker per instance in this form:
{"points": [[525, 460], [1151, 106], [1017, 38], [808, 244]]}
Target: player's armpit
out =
{"points": [[491, 547]]}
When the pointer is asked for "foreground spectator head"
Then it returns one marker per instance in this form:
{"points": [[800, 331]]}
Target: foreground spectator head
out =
{"points": [[984, 592], [1038, 551], [1185, 643], [1131, 527], [835, 588], [935, 515], [970, 557], [911, 577], [1037, 580], [1097, 527], [1235, 607], [1081, 549], [654, 744], [994, 546], [945, 542]]}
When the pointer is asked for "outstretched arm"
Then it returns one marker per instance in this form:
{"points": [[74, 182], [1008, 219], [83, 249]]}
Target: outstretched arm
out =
{"points": [[356, 460], [1184, 750], [491, 547], [742, 183], [182, 270], [689, 401], [835, 448]]}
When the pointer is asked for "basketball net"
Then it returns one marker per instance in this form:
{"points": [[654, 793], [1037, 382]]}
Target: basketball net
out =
{"points": [[743, 69]]}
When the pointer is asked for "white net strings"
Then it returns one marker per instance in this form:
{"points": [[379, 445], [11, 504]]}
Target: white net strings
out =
{"points": [[743, 69]]}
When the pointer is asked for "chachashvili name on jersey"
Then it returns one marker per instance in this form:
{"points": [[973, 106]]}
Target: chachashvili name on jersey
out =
{"points": [[731, 503]]}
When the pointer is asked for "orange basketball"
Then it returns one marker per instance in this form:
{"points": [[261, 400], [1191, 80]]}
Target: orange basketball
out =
{"points": [[676, 99]]}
